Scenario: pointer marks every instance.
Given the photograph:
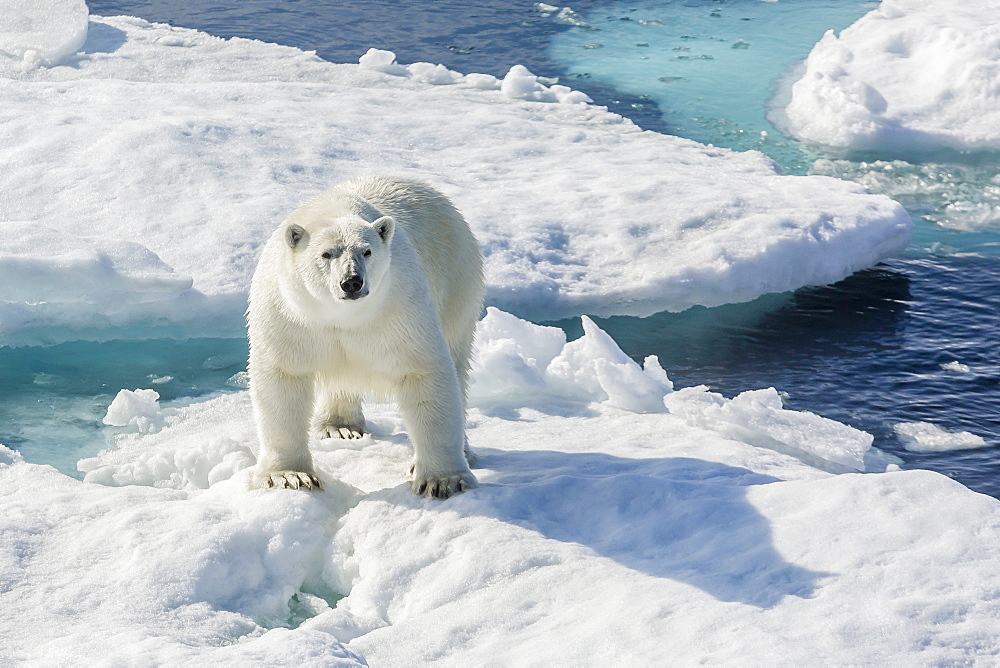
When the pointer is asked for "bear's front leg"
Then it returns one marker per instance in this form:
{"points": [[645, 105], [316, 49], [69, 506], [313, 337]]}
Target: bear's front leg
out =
{"points": [[282, 404], [434, 416]]}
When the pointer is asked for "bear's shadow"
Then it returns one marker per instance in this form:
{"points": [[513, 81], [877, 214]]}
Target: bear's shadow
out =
{"points": [[680, 518]]}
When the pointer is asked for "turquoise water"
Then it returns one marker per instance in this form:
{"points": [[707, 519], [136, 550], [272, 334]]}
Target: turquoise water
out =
{"points": [[54, 397], [711, 67], [868, 351]]}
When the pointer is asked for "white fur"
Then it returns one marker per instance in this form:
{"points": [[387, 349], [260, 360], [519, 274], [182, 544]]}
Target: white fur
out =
{"points": [[314, 351]]}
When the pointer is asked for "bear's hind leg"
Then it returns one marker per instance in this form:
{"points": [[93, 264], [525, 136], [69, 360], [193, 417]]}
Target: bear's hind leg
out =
{"points": [[338, 415]]}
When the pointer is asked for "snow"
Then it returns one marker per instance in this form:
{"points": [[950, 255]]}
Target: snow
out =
{"points": [[619, 521], [758, 417], [911, 77], [599, 536], [53, 274], [38, 34], [197, 147], [928, 437]]}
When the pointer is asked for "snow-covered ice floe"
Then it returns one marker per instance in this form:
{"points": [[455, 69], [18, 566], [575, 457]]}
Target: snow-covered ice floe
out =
{"points": [[619, 520], [183, 151], [910, 78], [607, 530]]}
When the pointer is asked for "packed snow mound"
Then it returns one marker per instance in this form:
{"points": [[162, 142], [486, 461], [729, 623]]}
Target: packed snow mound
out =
{"points": [[577, 210], [908, 79], [653, 524], [34, 33]]}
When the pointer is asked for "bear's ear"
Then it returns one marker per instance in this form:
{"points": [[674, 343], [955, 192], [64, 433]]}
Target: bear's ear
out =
{"points": [[294, 235], [385, 227]]}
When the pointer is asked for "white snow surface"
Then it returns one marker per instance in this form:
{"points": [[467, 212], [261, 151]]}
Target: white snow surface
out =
{"points": [[196, 148], [40, 34], [909, 78], [599, 536]]}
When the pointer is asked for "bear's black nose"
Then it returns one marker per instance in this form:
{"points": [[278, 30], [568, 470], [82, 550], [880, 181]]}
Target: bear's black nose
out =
{"points": [[352, 285]]}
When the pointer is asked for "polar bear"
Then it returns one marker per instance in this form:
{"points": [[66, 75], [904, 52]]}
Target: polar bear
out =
{"points": [[372, 287]]}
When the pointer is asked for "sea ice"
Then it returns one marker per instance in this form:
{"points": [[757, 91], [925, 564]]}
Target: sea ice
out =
{"points": [[909, 78], [197, 153], [928, 437], [607, 529], [50, 276], [657, 525]]}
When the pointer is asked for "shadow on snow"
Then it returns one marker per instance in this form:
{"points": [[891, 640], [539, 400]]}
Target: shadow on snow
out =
{"points": [[680, 518]]}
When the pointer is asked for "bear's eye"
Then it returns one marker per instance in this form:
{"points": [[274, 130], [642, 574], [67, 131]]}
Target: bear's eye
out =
{"points": [[367, 253], [326, 255]]}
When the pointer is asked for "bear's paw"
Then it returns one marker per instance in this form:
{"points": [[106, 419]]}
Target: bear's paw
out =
{"points": [[442, 486], [331, 431], [287, 480]]}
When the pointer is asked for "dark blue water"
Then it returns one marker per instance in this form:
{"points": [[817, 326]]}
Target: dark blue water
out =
{"points": [[867, 351]]}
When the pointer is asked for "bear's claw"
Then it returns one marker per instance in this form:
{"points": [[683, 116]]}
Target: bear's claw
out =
{"points": [[341, 432], [442, 487], [291, 480]]}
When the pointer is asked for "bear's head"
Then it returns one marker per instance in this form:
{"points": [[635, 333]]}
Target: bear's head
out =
{"points": [[341, 260]]}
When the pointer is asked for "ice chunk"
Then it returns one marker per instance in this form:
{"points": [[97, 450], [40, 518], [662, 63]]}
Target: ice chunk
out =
{"points": [[34, 33], [758, 417], [928, 437], [595, 367], [567, 95], [956, 367], [910, 77], [8, 456], [520, 83], [481, 81], [519, 363], [138, 409], [546, 9], [438, 75], [569, 16], [511, 357], [380, 60]]}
